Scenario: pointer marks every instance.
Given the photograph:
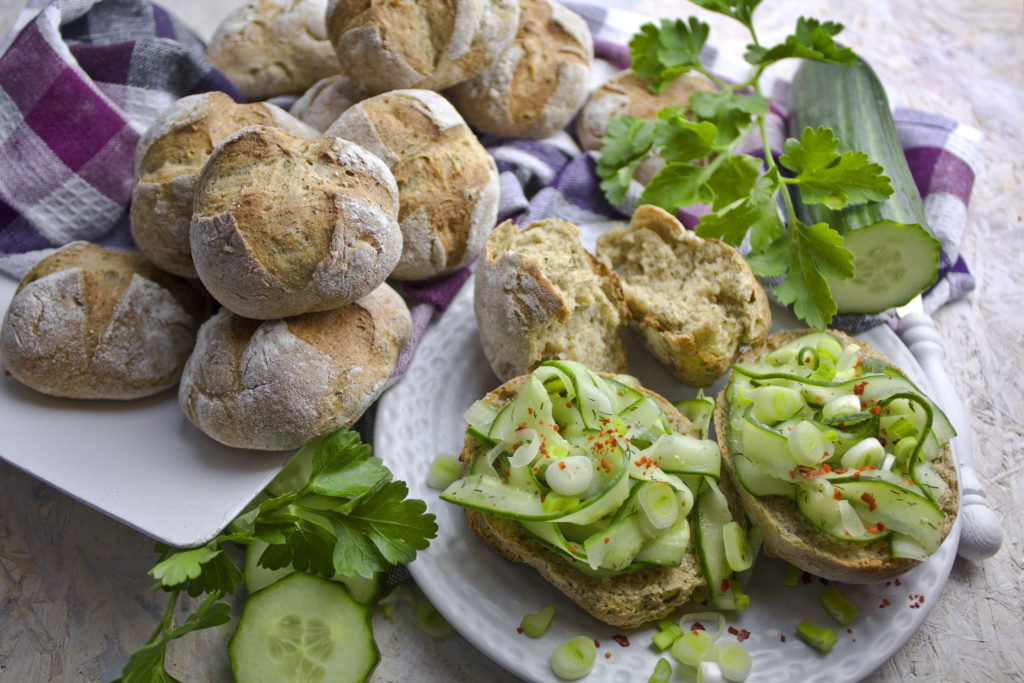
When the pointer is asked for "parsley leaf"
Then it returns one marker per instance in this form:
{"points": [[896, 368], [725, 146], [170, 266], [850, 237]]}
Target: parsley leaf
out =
{"points": [[681, 139], [812, 39], [679, 185], [663, 53], [829, 178], [628, 142], [741, 11], [343, 466], [755, 213], [731, 112], [206, 569]]}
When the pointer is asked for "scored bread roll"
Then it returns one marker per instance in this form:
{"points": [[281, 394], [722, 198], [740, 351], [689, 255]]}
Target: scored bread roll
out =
{"points": [[447, 181], [537, 84], [284, 226], [89, 322], [325, 101], [268, 48], [539, 295], [431, 44], [694, 302], [278, 384], [168, 159]]}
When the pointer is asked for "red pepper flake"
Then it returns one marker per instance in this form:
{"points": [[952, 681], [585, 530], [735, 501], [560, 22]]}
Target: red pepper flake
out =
{"points": [[519, 629], [858, 388], [733, 630], [607, 655], [530, 411], [885, 603], [606, 464], [837, 494], [782, 637], [870, 500], [561, 465], [606, 539], [849, 630], [574, 548], [697, 626], [881, 527], [597, 643], [568, 404], [898, 582], [742, 635], [725, 586], [876, 409], [622, 640]]}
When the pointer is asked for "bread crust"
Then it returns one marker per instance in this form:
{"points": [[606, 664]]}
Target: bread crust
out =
{"points": [[539, 295], [92, 323], [278, 384], [694, 302], [285, 226], [624, 601], [324, 101], [787, 533], [534, 88], [447, 181]]}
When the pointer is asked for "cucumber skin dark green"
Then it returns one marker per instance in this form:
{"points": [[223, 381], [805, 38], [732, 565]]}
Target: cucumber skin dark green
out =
{"points": [[851, 101]]}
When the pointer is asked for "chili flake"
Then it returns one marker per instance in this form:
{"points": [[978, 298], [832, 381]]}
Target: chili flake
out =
{"points": [[870, 500]]}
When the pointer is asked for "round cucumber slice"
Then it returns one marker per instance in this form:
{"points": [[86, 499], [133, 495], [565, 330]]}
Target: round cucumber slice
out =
{"points": [[893, 262], [303, 629]]}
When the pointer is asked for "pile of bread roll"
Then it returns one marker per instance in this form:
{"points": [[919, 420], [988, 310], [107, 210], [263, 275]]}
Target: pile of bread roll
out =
{"points": [[266, 238]]}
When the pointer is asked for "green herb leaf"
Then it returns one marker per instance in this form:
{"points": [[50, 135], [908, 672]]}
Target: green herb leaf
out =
{"points": [[681, 139], [730, 111], [827, 177], [206, 569], [628, 142], [679, 185], [811, 40], [755, 213], [741, 11], [662, 53], [343, 466]]}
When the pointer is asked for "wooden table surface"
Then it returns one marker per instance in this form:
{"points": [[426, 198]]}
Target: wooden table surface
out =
{"points": [[75, 597]]}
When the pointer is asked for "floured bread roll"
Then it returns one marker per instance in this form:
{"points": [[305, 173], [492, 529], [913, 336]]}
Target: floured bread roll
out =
{"points": [[284, 226], [168, 159], [629, 94], [447, 181], [693, 301], [539, 295], [537, 84], [384, 45], [325, 101], [274, 47], [278, 384], [88, 322]]}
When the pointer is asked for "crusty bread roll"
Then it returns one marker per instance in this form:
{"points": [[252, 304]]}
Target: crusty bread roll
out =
{"points": [[274, 47], [447, 181], [787, 533], [539, 295], [168, 159], [278, 384], [284, 226], [693, 301], [537, 84], [624, 601], [429, 44], [89, 322], [325, 100], [629, 94]]}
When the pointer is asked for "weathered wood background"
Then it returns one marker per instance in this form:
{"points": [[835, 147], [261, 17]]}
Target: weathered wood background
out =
{"points": [[75, 598]]}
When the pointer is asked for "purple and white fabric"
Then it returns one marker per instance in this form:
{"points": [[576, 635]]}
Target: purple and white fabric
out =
{"points": [[81, 79]]}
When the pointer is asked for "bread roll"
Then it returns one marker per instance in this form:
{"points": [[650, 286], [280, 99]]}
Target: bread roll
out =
{"points": [[693, 301], [274, 47], [539, 295], [447, 181], [278, 384], [88, 322], [285, 226], [787, 533], [168, 159], [629, 94], [429, 44], [537, 84], [324, 102]]}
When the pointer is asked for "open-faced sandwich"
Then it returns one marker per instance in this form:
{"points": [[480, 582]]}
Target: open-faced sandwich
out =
{"points": [[839, 459], [603, 487]]}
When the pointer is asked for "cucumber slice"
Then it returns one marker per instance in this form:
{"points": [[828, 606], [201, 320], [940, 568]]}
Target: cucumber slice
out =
{"points": [[893, 263], [363, 589], [303, 628]]}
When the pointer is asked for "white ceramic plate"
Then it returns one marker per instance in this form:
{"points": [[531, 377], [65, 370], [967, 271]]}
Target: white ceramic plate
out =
{"points": [[142, 462], [484, 596]]}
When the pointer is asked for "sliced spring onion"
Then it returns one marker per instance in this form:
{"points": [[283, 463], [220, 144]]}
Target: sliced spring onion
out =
{"points": [[773, 403], [709, 672], [443, 471], [528, 441], [829, 348], [694, 647], [863, 453], [820, 638], [669, 632], [431, 621], [570, 476], [658, 504], [736, 552], [480, 415], [792, 576], [806, 444], [848, 358], [574, 658], [662, 672], [840, 406], [853, 526], [713, 622], [734, 661], [838, 607], [535, 625]]}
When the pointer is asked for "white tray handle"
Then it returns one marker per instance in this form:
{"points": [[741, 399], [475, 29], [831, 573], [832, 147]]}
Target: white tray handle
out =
{"points": [[981, 533]]}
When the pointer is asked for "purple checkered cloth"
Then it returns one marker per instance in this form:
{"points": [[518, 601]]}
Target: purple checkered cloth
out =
{"points": [[82, 79]]}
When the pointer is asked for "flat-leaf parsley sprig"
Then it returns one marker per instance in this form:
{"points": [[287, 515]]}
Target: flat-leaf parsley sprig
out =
{"points": [[699, 144], [348, 517]]}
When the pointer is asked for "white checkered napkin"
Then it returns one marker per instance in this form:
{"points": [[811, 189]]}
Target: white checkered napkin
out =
{"points": [[79, 82]]}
